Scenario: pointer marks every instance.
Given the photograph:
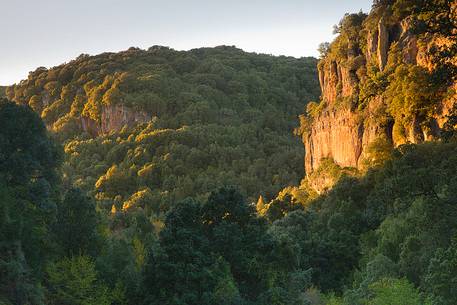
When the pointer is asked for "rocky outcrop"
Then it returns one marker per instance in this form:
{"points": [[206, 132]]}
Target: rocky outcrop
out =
{"points": [[113, 119], [343, 135], [336, 135], [372, 44], [344, 130], [338, 80], [383, 43]]}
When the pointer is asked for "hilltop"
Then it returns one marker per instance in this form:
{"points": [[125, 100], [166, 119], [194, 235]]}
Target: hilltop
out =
{"points": [[160, 125]]}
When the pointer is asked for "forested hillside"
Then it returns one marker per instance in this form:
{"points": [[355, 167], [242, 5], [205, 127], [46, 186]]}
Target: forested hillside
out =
{"points": [[160, 125], [380, 149], [387, 237], [129, 178]]}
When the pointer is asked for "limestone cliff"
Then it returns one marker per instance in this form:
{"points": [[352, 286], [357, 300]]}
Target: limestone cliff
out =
{"points": [[361, 96], [113, 119], [110, 117]]}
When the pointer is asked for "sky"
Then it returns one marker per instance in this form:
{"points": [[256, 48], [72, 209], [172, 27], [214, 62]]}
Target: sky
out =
{"points": [[47, 33]]}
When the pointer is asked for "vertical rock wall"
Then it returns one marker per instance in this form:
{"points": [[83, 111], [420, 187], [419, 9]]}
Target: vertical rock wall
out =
{"points": [[113, 119], [343, 132]]}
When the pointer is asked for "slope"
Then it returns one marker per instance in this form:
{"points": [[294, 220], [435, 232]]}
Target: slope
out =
{"points": [[145, 128]]}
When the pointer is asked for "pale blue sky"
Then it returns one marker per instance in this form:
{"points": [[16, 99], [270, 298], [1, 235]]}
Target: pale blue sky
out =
{"points": [[49, 32]]}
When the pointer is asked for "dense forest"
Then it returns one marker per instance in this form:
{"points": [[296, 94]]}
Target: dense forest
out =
{"points": [[169, 177], [194, 121]]}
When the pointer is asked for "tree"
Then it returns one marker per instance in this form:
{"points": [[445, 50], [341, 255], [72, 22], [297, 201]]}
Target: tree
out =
{"points": [[221, 252], [261, 206], [76, 225], [27, 153], [28, 183], [323, 49], [238, 235], [440, 280], [177, 272], [410, 93], [74, 281], [18, 264], [394, 292]]}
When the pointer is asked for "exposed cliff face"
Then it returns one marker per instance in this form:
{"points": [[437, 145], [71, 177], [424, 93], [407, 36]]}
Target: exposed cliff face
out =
{"points": [[383, 43], [350, 122], [113, 119], [56, 112], [343, 136], [336, 135]]}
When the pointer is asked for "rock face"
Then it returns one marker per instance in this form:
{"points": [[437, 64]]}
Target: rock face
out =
{"points": [[343, 131], [383, 43], [113, 119], [342, 135], [336, 135]]}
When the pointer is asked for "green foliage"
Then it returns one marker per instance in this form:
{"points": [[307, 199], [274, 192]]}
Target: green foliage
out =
{"points": [[121, 260], [223, 117], [28, 161], [437, 17], [314, 109], [329, 173], [391, 223], [175, 164], [448, 132], [333, 300], [349, 39], [394, 292], [288, 200], [74, 281], [27, 154], [440, 280], [377, 153], [409, 211], [221, 252], [76, 224], [221, 85], [410, 93], [375, 84], [214, 117], [323, 49]]}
